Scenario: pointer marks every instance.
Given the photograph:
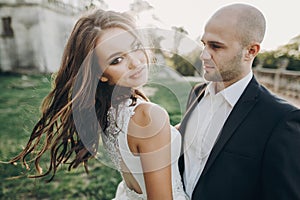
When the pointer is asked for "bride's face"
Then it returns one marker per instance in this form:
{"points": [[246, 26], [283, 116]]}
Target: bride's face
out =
{"points": [[122, 58]]}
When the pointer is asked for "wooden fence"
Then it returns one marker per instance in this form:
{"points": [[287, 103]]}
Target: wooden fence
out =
{"points": [[281, 81]]}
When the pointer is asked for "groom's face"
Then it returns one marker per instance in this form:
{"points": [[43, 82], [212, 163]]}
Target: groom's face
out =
{"points": [[223, 53]]}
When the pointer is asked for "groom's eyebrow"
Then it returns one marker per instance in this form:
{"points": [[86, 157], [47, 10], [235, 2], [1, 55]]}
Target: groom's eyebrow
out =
{"points": [[216, 43], [212, 43]]}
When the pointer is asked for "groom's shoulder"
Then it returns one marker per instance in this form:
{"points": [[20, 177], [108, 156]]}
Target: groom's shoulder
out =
{"points": [[195, 91], [199, 87]]}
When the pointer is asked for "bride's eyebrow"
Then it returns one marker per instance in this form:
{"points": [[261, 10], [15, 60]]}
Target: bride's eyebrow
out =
{"points": [[132, 45], [113, 55]]}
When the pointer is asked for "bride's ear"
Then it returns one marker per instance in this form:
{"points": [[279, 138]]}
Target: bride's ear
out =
{"points": [[103, 79]]}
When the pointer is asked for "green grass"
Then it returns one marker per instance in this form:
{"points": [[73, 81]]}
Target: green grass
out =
{"points": [[168, 99], [20, 100]]}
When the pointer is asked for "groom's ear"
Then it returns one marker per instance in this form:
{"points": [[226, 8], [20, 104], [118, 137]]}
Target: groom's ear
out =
{"points": [[252, 51]]}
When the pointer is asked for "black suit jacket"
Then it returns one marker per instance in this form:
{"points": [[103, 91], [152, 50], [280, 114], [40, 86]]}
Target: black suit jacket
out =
{"points": [[257, 156]]}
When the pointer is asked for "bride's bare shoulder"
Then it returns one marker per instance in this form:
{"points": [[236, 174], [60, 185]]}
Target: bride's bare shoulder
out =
{"points": [[148, 120]]}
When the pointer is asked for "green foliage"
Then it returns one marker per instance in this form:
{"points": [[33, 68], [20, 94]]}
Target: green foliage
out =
{"points": [[267, 59], [286, 56], [183, 66], [294, 64], [168, 100]]}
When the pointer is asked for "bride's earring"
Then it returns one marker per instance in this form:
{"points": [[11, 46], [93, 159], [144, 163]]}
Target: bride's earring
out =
{"points": [[103, 79]]}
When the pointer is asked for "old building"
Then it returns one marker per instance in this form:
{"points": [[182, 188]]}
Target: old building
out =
{"points": [[33, 33]]}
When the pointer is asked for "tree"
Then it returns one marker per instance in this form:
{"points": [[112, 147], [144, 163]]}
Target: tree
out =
{"points": [[289, 52], [95, 3], [181, 65]]}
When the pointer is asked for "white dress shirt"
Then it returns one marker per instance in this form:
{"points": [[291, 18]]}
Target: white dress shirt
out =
{"points": [[204, 126]]}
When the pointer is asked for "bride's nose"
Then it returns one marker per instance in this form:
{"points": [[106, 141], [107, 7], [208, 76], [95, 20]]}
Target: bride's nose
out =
{"points": [[134, 60]]}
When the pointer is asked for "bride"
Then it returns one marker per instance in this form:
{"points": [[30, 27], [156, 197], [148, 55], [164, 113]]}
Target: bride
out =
{"points": [[103, 66]]}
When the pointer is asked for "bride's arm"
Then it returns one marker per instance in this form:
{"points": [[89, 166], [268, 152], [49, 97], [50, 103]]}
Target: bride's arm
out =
{"points": [[149, 136]]}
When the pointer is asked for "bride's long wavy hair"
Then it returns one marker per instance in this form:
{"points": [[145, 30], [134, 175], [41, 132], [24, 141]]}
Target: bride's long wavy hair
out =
{"points": [[56, 132]]}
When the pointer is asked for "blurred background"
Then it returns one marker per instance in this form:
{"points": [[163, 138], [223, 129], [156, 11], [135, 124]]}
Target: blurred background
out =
{"points": [[32, 37]]}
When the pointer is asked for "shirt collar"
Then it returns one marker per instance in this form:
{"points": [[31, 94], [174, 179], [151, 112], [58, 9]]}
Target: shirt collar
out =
{"points": [[232, 93]]}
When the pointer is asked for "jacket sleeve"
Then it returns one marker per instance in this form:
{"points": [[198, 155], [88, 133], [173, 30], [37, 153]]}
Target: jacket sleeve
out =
{"points": [[281, 161]]}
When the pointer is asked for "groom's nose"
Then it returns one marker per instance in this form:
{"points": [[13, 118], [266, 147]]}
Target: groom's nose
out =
{"points": [[205, 55]]}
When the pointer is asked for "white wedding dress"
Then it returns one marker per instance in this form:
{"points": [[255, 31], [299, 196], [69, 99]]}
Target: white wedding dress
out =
{"points": [[115, 144]]}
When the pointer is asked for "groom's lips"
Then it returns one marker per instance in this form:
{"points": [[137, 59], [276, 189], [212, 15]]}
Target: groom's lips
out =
{"points": [[208, 67]]}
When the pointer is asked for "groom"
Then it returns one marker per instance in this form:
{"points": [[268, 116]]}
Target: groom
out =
{"points": [[240, 141]]}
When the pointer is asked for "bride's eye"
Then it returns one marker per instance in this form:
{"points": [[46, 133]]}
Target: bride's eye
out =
{"points": [[116, 61]]}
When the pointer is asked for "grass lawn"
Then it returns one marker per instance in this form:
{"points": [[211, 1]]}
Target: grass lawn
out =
{"points": [[20, 99]]}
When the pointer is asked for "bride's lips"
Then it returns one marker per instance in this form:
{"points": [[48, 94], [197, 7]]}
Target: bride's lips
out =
{"points": [[137, 73]]}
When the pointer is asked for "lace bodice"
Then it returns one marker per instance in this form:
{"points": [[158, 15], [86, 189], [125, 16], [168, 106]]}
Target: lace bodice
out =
{"points": [[115, 143], [118, 119]]}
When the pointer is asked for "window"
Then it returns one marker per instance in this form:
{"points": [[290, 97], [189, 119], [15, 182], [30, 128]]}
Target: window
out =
{"points": [[7, 30]]}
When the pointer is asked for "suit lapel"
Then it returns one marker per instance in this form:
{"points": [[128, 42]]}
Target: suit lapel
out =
{"points": [[190, 110], [191, 107], [238, 114]]}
